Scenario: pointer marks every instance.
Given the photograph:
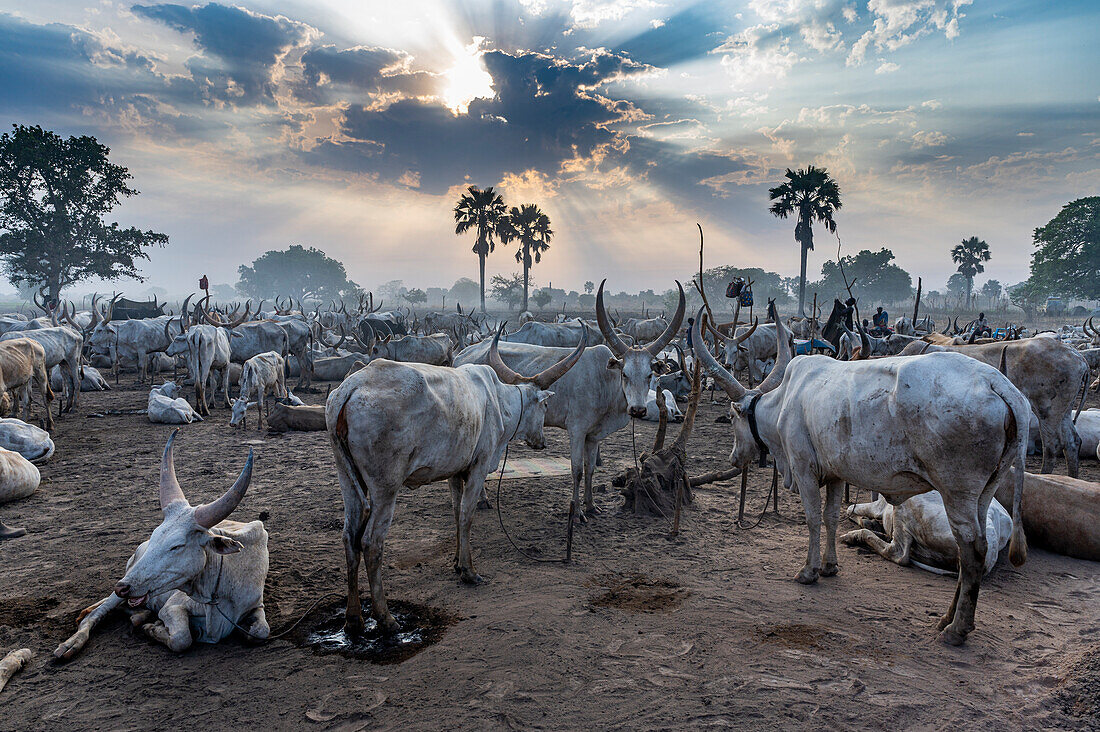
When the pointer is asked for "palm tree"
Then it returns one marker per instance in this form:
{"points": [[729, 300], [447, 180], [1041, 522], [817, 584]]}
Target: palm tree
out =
{"points": [[813, 196], [969, 255], [531, 227], [483, 211]]}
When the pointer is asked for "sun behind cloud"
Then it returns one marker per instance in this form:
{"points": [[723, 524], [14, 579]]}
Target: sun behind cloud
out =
{"points": [[467, 79]]}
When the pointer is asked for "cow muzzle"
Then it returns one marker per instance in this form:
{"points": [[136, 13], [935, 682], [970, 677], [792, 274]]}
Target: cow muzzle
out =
{"points": [[638, 412]]}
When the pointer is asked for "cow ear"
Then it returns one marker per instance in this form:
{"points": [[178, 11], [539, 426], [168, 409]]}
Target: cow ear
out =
{"points": [[224, 545], [735, 409], [614, 363], [544, 396]]}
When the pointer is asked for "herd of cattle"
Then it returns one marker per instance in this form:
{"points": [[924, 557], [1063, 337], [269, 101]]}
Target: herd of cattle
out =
{"points": [[936, 423]]}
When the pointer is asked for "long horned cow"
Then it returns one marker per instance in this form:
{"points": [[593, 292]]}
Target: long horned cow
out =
{"points": [[876, 424]]}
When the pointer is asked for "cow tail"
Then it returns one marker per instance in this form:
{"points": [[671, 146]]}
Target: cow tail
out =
{"points": [[343, 452], [1084, 390], [1013, 461]]}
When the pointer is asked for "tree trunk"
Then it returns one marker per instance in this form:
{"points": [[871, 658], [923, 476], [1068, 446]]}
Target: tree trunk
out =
{"points": [[526, 276], [804, 245], [481, 267]]}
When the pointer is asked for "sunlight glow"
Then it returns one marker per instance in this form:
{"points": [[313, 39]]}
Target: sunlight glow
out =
{"points": [[467, 79]]}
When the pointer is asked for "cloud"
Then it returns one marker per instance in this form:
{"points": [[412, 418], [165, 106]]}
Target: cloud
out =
{"points": [[929, 139], [898, 23], [758, 53], [330, 74], [887, 67]]}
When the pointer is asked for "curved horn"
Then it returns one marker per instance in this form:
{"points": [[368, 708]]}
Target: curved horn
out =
{"points": [[376, 308], [782, 353], [210, 515], [503, 371], [673, 328], [95, 312], [170, 490], [343, 337], [864, 343], [546, 377], [716, 332], [111, 308], [167, 335], [723, 378], [957, 329], [185, 312], [603, 321], [741, 339], [200, 308]]}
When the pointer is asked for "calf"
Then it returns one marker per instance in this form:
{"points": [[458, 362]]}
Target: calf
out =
{"points": [[920, 533], [261, 374], [198, 573], [22, 365], [167, 407], [290, 418]]}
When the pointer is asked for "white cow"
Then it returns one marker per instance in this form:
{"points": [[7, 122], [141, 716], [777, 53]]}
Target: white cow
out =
{"points": [[198, 573], [920, 534], [1088, 429], [409, 424], [91, 379], [18, 479], [653, 412], [261, 374], [31, 442], [167, 407]]}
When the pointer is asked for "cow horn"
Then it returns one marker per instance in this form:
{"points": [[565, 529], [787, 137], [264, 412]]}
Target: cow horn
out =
{"points": [[602, 320], [374, 308], [864, 343], [673, 328], [782, 353], [170, 490], [206, 316], [503, 371], [723, 378], [716, 332], [167, 335], [69, 316], [111, 308], [184, 312], [742, 338], [210, 515], [343, 337], [95, 312], [546, 377]]}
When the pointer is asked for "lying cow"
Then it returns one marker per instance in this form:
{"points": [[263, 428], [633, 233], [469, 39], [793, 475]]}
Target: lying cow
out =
{"points": [[920, 534], [167, 407], [291, 418], [653, 412], [1088, 429], [263, 373], [18, 479], [198, 573], [91, 379], [31, 442], [1061, 514], [335, 368]]}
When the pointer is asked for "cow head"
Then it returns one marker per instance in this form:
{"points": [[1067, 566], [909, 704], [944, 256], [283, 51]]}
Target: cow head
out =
{"points": [[533, 390], [240, 409], [177, 344], [178, 550], [745, 449], [636, 363]]}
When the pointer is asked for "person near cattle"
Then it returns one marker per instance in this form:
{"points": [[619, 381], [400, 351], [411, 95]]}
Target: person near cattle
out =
{"points": [[881, 322], [982, 327]]}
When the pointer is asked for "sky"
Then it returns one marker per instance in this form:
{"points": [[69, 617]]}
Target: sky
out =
{"points": [[354, 126]]}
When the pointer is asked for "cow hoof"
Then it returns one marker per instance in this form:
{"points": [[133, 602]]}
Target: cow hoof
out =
{"points": [[592, 509], [470, 577], [830, 570], [484, 504], [945, 621], [8, 532], [952, 638], [807, 576], [849, 539], [353, 625]]}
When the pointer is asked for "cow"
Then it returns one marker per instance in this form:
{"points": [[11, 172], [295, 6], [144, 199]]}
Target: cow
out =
{"points": [[31, 442], [1088, 430], [555, 335], [1051, 375], [408, 424], [167, 407], [597, 397], [644, 329], [291, 418], [90, 380], [19, 478], [133, 340], [890, 345], [1061, 514], [335, 368], [436, 349], [207, 350], [897, 426], [653, 412], [23, 365], [263, 373], [906, 326], [199, 574], [920, 534], [62, 347]]}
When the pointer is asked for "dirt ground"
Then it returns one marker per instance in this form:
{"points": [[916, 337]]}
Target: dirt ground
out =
{"points": [[640, 631]]}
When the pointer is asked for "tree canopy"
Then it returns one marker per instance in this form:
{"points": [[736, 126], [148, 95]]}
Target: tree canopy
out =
{"points": [[484, 212], [877, 278], [508, 290], [969, 255], [54, 194], [1067, 256], [531, 228], [304, 274]]}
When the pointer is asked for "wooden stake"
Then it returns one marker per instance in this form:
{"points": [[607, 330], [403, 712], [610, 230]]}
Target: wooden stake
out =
{"points": [[569, 532], [12, 663], [744, 487], [775, 486]]}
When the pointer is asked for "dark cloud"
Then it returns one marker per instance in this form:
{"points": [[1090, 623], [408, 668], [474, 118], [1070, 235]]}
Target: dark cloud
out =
{"points": [[689, 34], [241, 47], [328, 73]]}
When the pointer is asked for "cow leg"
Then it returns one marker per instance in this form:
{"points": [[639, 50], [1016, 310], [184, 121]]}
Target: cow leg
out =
{"points": [[225, 387], [355, 522], [260, 408], [810, 492], [591, 455], [255, 622], [834, 492], [576, 470], [1071, 445], [969, 531], [76, 641], [470, 493], [374, 539], [897, 551], [174, 627], [1050, 439], [455, 482]]}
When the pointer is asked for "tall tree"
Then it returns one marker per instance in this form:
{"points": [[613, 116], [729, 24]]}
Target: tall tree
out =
{"points": [[304, 274], [531, 228], [589, 286], [876, 277], [54, 194], [485, 213], [1067, 256], [811, 196], [969, 255], [508, 290], [992, 290]]}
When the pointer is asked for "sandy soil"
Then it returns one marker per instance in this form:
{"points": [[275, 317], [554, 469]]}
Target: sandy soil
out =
{"points": [[640, 631]]}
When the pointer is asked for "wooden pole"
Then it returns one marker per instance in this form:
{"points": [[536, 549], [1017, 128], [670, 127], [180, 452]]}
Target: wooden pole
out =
{"points": [[775, 487], [744, 487], [569, 533]]}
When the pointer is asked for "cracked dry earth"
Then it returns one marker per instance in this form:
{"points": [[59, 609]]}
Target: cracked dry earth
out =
{"points": [[640, 631]]}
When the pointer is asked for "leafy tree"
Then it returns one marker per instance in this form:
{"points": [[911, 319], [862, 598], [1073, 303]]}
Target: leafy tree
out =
{"points": [[810, 195], [464, 290], [969, 255], [416, 296], [1067, 256], [587, 301], [541, 298], [877, 278], [589, 286], [992, 290], [54, 194], [765, 285], [508, 290], [957, 286], [531, 228], [1028, 296], [484, 212], [304, 274]]}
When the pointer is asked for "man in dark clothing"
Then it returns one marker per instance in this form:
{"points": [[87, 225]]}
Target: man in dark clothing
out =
{"points": [[691, 324], [881, 322]]}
